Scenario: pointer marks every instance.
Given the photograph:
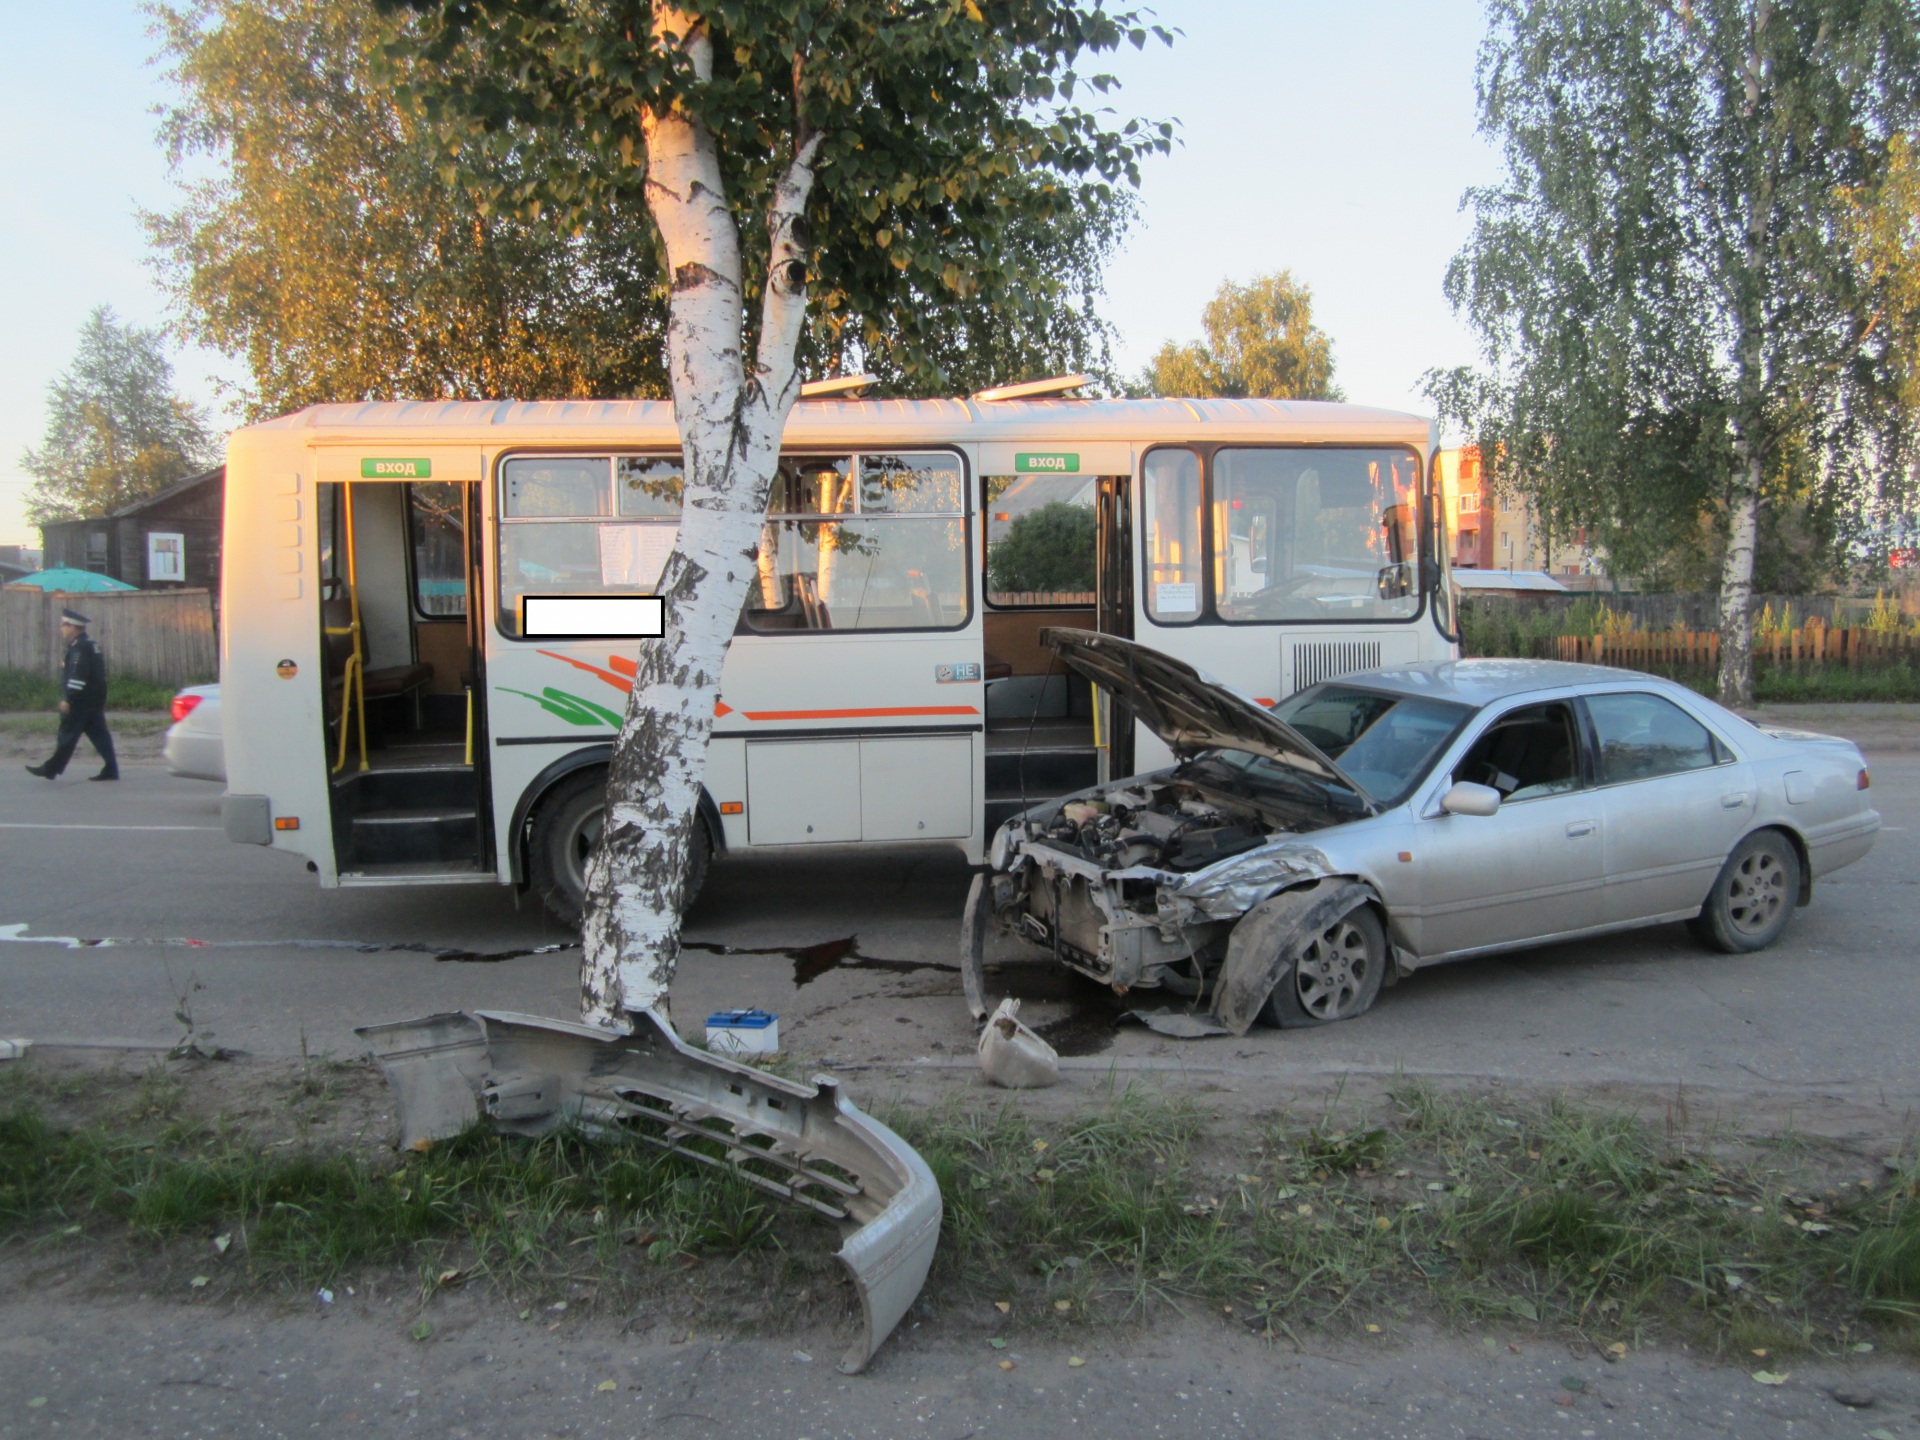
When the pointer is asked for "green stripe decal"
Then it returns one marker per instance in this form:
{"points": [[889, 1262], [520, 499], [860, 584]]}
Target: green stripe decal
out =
{"points": [[570, 708]]}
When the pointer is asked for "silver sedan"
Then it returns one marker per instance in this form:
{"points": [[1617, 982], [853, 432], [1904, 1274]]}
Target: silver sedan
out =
{"points": [[1408, 816]]}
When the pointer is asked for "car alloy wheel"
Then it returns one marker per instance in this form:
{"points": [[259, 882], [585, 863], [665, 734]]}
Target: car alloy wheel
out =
{"points": [[1334, 971], [1753, 897], [1757, 892]]}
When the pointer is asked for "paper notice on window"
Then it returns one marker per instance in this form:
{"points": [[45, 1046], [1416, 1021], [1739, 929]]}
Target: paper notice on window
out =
{"points": [[632, 556], [1176, 599]]}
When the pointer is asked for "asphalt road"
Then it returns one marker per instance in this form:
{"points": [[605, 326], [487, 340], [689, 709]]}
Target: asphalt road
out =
{"points": [[263, 957], [158, 1367], [856, 954]]}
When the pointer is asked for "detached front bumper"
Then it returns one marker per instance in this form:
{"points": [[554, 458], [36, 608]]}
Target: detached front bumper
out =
{"points": [[802, 1143]]}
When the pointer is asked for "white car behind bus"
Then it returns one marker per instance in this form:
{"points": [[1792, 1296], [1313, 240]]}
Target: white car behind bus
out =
{"points": [[194, 746]]}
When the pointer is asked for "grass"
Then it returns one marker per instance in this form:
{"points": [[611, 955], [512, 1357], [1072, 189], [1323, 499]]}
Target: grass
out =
{"points": [[1781, 684], [529, 1214], [121, 722], [26, 690], [1439, 1206], [1451, 1208]]}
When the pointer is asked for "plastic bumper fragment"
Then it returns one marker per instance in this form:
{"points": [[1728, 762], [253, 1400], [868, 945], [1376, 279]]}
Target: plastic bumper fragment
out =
{"points": [[806, 1144]]}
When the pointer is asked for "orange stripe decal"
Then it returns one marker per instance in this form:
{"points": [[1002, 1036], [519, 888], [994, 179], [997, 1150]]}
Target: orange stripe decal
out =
{"points": [[876, 713], [619, 682]]}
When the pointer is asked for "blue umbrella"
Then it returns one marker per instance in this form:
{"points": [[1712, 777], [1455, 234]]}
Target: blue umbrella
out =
{"points": [[70, 581]]}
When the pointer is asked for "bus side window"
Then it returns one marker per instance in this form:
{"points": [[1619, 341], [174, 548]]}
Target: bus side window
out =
{"points": [[1171, 535], [584, 525], [437, 525], [1041, 538], [870, 542]]}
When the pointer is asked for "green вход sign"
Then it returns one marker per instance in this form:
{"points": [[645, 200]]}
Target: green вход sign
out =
{"points": [[396, 469], [1046, 463]]}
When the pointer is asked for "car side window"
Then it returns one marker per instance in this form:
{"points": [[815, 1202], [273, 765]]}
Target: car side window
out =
{"points": [[1643, 736], [1526, 753]]}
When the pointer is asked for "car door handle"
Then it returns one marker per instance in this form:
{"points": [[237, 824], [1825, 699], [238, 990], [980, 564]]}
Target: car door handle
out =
{"points": [[1581, 827], [1732, 802]]}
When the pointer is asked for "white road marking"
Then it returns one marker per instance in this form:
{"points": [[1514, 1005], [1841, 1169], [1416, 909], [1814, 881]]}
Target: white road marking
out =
{"points": [[28, 825], [17, 935]]}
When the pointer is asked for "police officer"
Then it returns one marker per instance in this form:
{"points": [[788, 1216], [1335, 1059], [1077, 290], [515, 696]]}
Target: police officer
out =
{"points": [[83, 701]]}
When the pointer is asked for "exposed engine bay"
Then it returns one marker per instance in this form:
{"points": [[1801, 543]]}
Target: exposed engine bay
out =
{"points": [[1160, 827], [1168, 822]]}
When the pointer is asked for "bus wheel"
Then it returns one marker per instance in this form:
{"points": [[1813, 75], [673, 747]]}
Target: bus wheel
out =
{"points": [[566, 827]]}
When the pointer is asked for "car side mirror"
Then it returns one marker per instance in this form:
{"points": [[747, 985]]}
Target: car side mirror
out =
{"points": [[1467, 798]]}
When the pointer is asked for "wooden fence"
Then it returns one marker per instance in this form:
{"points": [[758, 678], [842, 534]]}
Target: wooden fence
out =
{"points": [[1670, 612], [1667, 650], [165, 636]]}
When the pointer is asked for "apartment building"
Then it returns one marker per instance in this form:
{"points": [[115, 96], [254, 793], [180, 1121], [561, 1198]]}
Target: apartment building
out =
{"points": [[1488, 531]]}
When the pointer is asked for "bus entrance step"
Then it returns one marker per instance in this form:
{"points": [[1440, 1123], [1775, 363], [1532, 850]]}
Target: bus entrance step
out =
{"points": [[413, 836], [1041, 773], [418, 787]]}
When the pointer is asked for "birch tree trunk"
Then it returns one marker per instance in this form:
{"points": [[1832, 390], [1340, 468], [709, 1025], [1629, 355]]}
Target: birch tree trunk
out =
{"points": [[1736, 576], [1736, 582], [730, 418]]}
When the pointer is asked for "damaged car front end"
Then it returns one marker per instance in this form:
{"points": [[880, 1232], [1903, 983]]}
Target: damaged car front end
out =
{"points": [[1143, 883]]}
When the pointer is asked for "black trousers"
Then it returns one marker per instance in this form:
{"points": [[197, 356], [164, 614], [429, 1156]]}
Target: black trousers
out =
{"points": [[93, 725]]}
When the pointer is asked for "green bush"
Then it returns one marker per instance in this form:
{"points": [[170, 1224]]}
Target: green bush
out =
{"points": [[1049, 549], [1781, 684]]}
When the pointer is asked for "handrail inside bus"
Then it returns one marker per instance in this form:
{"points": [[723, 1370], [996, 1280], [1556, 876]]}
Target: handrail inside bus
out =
{"points": [[353, 690]]}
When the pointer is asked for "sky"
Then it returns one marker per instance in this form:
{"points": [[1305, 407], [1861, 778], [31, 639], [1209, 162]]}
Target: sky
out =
{"points": [[1334, 141]]}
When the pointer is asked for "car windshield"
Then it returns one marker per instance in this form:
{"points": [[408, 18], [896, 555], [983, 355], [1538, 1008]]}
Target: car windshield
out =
{"points": [[1385, 742]]}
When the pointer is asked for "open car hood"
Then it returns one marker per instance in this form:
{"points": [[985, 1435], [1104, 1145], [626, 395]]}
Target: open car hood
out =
{"points": [[1185, 708]]}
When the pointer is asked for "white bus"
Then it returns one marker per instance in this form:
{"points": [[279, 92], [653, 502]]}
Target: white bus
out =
{"points": [[387, 722]]}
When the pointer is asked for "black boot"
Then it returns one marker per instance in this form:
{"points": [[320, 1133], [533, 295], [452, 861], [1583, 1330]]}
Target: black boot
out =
{"points": [[109, 774], [41, 770]]}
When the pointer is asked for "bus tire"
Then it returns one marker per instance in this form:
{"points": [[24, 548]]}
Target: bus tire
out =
{"points": [[566, 827]]}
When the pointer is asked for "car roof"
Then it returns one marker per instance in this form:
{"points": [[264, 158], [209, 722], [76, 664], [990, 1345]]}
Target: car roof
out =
{"points": [[1482, 682]]}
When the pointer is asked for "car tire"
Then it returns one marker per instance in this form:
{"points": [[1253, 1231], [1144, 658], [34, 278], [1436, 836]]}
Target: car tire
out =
{"points": [[1335, 976], [566, 827], [1753, 898]]}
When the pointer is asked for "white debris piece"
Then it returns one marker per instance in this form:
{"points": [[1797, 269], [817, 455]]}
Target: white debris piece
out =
{"points": [[14, 1049], [1013, 1056]]}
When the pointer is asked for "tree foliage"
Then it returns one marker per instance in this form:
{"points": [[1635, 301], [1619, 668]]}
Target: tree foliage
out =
{"points": [[1050, 549], [1673, 318], [327, 247], [1261, 342], [1883, 226], [116, 431], [964, 205]]}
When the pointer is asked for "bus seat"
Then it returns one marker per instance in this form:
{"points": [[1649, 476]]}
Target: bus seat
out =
{"points": [[381, 683]]}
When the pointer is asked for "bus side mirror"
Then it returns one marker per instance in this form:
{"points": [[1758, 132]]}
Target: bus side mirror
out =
{"points": [[1467, 798]]}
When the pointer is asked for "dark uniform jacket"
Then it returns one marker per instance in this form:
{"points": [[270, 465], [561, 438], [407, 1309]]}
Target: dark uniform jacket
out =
{"points": [[83, 676]]}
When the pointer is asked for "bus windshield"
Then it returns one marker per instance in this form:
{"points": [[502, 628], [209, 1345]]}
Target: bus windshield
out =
{"points": [[1315, 534]]}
